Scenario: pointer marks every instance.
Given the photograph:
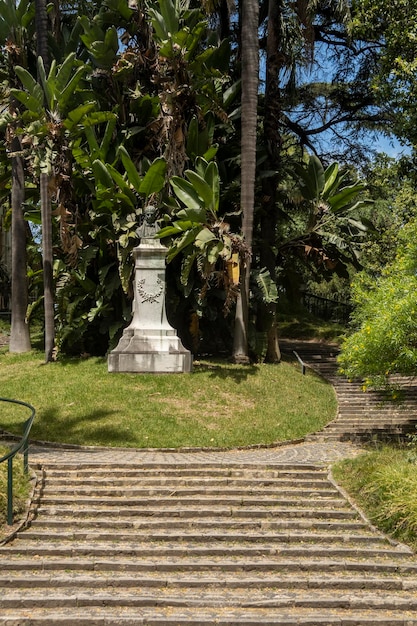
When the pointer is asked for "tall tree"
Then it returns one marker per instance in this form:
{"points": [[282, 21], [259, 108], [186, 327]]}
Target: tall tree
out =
{"points": [[41, 22], [19, 332], [383, 33], [14, 18], [275, 60], [250, 81]]}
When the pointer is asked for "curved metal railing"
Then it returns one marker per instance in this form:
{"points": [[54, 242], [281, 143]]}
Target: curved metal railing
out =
{"points": [[22, 445]]}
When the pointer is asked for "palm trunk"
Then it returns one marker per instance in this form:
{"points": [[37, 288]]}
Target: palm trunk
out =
{"points": [[41, 20], [267, 318], [19, 332], [48, 283], [250, 77], [41, 25]]}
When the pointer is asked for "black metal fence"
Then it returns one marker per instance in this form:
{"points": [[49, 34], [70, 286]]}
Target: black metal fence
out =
{"points": [[327, 309]]}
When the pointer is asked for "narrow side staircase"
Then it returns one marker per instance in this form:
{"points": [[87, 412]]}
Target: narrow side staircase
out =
{"points": [[362, 417], [201, 544]]}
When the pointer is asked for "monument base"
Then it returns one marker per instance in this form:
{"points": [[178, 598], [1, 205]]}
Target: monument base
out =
{"points": [[150, 344], [159, 353]]}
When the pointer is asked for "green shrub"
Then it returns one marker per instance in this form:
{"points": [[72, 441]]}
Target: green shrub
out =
{"points": [[384, 483]]}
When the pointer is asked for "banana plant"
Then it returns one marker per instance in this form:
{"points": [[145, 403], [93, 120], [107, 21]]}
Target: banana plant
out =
{"points": [[117, 191], [121, 195], [336, 225], [324, 187], [102, 43], [51, 108], [15, 18], [195, 230]]}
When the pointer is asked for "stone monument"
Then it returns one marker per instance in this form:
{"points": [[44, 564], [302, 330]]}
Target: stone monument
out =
{"points": [[149, 344]]}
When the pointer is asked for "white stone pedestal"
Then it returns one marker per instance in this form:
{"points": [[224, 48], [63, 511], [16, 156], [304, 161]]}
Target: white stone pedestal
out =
{"points": [[149, 344]]}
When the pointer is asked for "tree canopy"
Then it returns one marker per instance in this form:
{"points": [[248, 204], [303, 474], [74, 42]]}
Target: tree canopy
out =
{"points": [[139, 102]]}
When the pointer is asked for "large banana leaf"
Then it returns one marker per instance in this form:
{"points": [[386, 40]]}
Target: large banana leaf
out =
{"points": [[193, 215], [340, 200], [102, 174], [185, 192], [202, 188], [266, 285], [213, 180], [154, 179], [132, 173], [169, 15], [312, 178], [33, 98], [331, 176], [182, 242], [204, 236]]}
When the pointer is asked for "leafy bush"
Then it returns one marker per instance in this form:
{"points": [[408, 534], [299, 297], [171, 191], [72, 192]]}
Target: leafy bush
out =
{"points": [[385, 318]]}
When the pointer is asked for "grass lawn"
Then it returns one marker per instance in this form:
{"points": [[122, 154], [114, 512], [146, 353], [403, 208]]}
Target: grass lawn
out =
{"points": [[384, 484], [219, 404]]}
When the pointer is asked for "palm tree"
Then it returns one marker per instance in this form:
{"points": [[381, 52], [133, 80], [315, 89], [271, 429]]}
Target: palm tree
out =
{"points": [[41, 22], [266, 321], [12, 30], [19, 332], [250, 77]]}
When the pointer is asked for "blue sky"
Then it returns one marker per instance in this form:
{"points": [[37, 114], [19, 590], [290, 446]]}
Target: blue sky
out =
{"points": [[391, 146]]}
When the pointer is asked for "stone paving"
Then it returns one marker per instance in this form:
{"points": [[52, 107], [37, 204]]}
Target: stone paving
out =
{"points": [[303, 452]]}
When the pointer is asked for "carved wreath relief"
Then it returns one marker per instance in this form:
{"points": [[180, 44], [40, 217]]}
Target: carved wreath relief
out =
{"points": [[150, 297]]}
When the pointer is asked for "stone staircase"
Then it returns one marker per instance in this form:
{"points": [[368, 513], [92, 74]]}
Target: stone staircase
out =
{"points": [[362, 416], [205, 542], [199, 544]]}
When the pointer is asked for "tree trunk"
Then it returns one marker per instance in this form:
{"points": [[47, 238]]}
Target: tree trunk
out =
{"points": [[48, 283], [41, 21], [267, 322], [250, 78], [19, 332], [41, 25]]}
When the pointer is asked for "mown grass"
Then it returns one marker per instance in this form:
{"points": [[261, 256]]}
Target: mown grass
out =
{"points": [[220, 404], [384, 484]]}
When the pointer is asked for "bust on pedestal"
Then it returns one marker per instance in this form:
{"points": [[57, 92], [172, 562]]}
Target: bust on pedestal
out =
{"points": [[149, 344]]}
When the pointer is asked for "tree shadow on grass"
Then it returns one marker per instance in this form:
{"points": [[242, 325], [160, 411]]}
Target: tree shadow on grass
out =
{"points": [[226, 371], [70, 430], [66, 361]]}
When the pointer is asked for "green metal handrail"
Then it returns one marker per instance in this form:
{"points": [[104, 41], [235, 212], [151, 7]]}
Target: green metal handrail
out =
{"points": [[22, 444]]}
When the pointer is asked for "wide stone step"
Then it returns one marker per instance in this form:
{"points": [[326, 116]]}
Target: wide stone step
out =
{"points": [[174, 534], [224, 470], [381, 600], [188, 616], [366, 426], [187, 548], [202, 525], [206, 579], [256, 563], [202, 500], [299, 511], [355, 418], [195, 481], [128, 492]]}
